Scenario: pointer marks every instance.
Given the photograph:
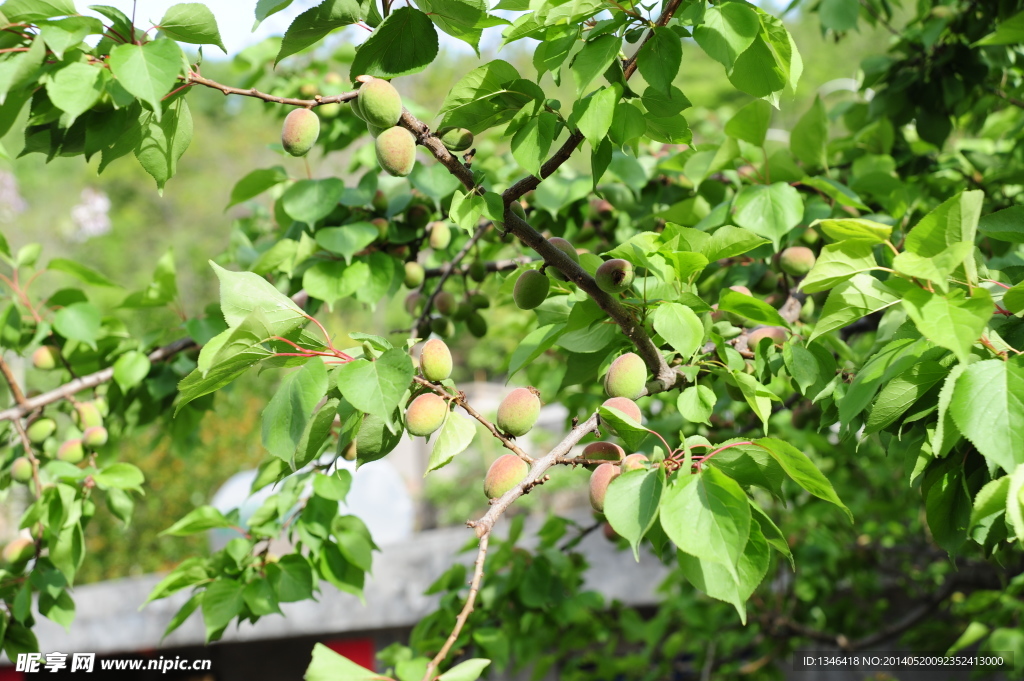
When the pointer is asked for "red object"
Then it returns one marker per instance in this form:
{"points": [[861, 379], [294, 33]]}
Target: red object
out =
{"points": [[359, 650], [8, 674]]}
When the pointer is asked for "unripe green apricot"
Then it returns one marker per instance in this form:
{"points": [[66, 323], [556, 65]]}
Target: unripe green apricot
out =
{"points": [[87, 415], [635, 462], [445, 304], [351, 451], [599, 481], [567, 248], [768, 282], [455, 139], [299, 132], [479, 301], [442, 326], [504, 475], [414, 302], [46, 358], [329, 110], [380, 200], [71, 451], [40, 430], [614, 276], [796, 261], [531, 290], [414, 274], [382, 226], [435, 360], [478, 271], [396, 151], [626, 406], [603, 451], [425, 414], [354, 105], [440, 235], [417, 216], [477, 325], [18, 552], [776, 333], [462, 311], [626, 377], [810, 237], [21, 469], [519, 411], [374, 130], [379, 103], [96, 436]]}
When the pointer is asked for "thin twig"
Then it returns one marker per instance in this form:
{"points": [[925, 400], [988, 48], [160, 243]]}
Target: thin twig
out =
{"points": [[195, 78], [19, 398], [489, 266], [467, 609], [446, 271], [460, 399]]}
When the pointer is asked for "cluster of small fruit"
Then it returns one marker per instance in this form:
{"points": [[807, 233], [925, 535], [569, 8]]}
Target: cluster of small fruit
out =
{"points": [[624, 383], [86, 431], [379, 105], [449, 309]]}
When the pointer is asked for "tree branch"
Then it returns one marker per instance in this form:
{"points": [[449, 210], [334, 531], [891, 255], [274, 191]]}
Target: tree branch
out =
{"points": [[460, 399], [196, 79], [491, 266], [446, 271], [467, 609], [19, 398]]}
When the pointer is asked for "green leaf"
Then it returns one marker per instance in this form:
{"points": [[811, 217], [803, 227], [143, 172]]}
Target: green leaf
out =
{"points": [[147, 71], [659, 58], [749, 465], [716, 581], [347, 240], [80, 272], [198, 520], [1013, 298], [192, 22], [974, 632], [707, 516], [1009, 32], [851, 300], [288, 413], [406, 42], [900, 393], [728, 241], [335, 486], [328, 665], [130, 368], [855, 228], [79, 322], [1015, 502], [728, 31], [531, 142], [947, 505], [593, 60], [954, 220], [330, 281], [75, 88], [629, 431], [594, 115], [455, 436], [990, 500], [770, 211], [809, 139], [937, 268], [183, 614], [462, 19], [243, 293], [696, 403], [376, 387], [255, 183], [292, 578], [751, 308], [164, 140], [312, 25], [1004, 225], [804, 473], [838, 262], [953, 321], [839, 15], [266, 8], [631, 504], [751, 123], [119, 476], [374, 439], [190, 571], [311, 200], [470, 670], [680, 327], [988, 408], [34, 10], [772, 534], [222, 601], [757, 72], [480, 99]]}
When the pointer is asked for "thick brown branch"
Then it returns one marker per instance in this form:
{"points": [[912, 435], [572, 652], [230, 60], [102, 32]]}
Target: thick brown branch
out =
{"points": [[467, 609], [446, 271], [446, 158], [460, 400], [664, 376]]}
